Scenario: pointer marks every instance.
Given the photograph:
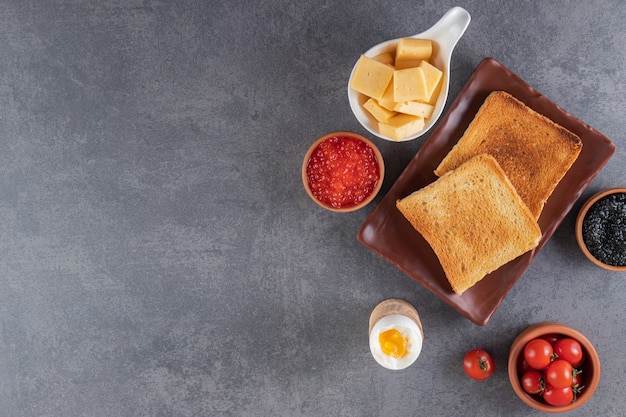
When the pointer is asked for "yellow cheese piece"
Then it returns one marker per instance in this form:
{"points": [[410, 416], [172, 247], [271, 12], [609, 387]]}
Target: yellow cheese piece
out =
{"points": [[380, 113], [387, 101], [408, 63], [435, 95], [401, 126], [371, 77], [432, 75], [415, 108], [410, 84], [413, 49], [385, 58]]}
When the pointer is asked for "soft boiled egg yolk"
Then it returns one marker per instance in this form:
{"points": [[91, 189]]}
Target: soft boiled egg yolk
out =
{"points": [[393, 343]]}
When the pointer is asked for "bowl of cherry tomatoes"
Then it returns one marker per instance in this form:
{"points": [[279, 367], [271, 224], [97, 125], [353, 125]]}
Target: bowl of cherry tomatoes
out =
{"points": [[553, 368]]}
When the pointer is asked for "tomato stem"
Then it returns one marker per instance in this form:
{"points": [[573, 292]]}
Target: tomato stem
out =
{"points": [[576, 390]]}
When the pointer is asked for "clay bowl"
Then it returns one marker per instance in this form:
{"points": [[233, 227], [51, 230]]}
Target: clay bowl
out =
{"points": [[590, 368], [579, 229], [353, 175]]}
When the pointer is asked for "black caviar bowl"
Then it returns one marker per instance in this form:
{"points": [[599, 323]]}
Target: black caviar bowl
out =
{"points": [[580, 235]]}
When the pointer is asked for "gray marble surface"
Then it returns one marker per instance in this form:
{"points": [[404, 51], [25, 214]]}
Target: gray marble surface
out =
{"points": [[158, 253]]}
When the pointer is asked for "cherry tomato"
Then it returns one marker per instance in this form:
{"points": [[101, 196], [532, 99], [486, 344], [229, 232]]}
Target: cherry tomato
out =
{"points": [[552, 338], [559, 373], [478, 364], [522, 365], [532, 382], [570, 350], [538, 353], [577, 380], [558, 396]]}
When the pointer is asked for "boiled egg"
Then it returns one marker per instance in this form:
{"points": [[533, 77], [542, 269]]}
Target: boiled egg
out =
{"points": [[396, 341]]}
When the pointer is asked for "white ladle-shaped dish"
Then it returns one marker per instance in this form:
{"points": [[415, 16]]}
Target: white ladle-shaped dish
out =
{"points": [[444, 34]]}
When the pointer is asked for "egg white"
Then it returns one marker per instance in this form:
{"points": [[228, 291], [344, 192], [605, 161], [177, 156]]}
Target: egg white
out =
{"points": [[409, 330]]}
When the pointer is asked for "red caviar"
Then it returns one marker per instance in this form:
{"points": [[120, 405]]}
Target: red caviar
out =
{"points": [[342, 171]]}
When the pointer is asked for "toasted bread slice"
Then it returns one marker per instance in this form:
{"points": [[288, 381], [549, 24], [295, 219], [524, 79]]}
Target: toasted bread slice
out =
{"points": [[473, 219], [534, 152]]}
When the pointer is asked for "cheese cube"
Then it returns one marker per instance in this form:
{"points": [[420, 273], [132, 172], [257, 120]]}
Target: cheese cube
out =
{"points": [[401, 126], [371, 77], [387, 99], [432, 75], [410, 84], [385, 58], [408, 63], [415, 108], [435, 95], [413, 49], [380, 113]]}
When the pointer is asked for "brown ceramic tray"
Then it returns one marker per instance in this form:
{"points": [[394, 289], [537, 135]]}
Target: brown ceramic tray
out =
{"points": [[389, 234]]}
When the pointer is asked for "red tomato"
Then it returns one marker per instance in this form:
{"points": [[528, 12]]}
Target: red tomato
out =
{"points": [[478, 364], [522, 365], [577, 380], [570, 350], [538, 353], [559, 373], [552, 338], [558, 396], [532, 382]]}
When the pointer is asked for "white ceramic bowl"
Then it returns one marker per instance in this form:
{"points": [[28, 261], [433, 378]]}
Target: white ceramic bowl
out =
{"points": [[445, 34]]}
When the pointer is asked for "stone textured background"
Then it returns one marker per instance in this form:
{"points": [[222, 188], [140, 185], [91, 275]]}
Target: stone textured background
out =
{"points": [[159, 256]]}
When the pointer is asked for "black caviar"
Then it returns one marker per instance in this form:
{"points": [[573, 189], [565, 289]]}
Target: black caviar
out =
{"points": [[604, 229]]}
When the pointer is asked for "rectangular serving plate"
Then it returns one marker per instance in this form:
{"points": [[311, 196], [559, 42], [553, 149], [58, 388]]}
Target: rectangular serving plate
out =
{"points": [[390, 235]]}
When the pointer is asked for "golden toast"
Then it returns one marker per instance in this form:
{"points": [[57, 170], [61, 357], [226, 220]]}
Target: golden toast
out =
{"points": [[534, 152], [473, 219]]}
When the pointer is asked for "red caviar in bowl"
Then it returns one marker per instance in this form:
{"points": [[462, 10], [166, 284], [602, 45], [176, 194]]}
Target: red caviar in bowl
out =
{"points": [[342, 171]]}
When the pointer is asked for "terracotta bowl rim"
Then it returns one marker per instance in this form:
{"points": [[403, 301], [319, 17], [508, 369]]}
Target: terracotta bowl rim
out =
{"points": [[539, 329], [379, 159], [579, 227]]}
